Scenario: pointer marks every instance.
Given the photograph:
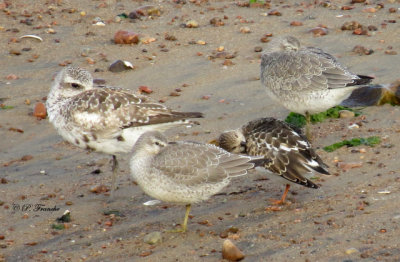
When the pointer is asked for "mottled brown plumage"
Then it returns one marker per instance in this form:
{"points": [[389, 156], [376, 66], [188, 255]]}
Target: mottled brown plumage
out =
{"points": [[286, 150]]}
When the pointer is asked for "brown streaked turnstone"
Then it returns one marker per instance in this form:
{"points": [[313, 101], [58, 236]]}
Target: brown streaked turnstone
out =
{"points": [[286, 150], [183, 172], [104, 119], [306, 80]]}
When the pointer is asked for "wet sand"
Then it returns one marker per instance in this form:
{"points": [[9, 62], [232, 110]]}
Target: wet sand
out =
{"points": [[353, 216]]}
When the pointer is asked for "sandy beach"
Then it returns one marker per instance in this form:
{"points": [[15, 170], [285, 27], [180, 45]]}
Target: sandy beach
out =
{"points": [[353, 216]]}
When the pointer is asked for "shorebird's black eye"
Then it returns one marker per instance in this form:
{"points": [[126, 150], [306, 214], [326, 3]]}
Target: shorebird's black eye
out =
{"points": [[158, 144], [75, 85]]}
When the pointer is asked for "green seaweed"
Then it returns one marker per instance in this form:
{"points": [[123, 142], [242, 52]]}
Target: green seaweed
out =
{"points": [[58, 226], [370, 141], [299, 120], [114, 212], [256, 1], [6, 107]]}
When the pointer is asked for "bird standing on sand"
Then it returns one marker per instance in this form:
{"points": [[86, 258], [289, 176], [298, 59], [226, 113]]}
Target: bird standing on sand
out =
{"points": [[286, 151], [306, 80], [183, 172], [103, 119]]}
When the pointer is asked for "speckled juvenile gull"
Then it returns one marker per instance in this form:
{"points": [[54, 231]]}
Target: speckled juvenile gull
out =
{"points": [[305, 80], [286, 150], [183, 172], [105, 120]]}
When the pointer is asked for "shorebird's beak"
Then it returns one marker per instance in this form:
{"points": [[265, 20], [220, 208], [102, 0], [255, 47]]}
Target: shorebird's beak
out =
{"points": [[244, 145]]}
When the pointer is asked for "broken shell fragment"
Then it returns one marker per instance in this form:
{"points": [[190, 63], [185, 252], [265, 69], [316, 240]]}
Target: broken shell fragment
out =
{"points": [[32, 36]]}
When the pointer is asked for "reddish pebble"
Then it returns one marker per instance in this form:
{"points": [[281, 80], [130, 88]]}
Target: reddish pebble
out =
{"points": [[228, 62], [319, 31], [108, 223], [275, 12], [348, 7], [145, 253], [40, 110], [2, 237], [145, 89], [99, 189], [126, 37], [11, 77], [26, 158], [392, 10], [390, 52], [296, 23], [360, 31], [205, 97], [369, 10]]}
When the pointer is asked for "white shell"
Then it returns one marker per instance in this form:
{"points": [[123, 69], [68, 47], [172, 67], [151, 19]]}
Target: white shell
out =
{"points": [[32, 36]]}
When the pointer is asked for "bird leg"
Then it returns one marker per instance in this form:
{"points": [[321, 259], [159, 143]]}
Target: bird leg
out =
{"points": [[308, 126], [114, 169], [185, 220], [282, 200]]}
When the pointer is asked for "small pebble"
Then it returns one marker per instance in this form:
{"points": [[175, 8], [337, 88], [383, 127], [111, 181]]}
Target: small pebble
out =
{"points": [[99, 189], [296, 23], [274, 12], [120, 66], [192, 24], [231, 252], [258, 49], [318, 31], [174, 94], [153, 238], [145, 89], [361, 50], [346, 114], [350, 251], [245, 30], [126, 37], [40, 110]]}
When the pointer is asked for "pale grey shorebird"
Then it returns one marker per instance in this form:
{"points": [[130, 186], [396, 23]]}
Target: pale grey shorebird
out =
{"points": [[183, 172], [105, 120], [285, 149], [306, 80]]}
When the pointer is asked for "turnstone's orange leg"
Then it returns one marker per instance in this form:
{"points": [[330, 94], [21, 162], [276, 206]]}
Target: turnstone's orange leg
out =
{"points": [[282, 200]]}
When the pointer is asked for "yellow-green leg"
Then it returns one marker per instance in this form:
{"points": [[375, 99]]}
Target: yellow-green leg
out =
{"points": [[308, 126], [185, 220]]}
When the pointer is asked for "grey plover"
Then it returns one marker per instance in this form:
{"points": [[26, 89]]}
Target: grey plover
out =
{"points": [[183, 172], [306, 80], [285, 149], [106, 120]]}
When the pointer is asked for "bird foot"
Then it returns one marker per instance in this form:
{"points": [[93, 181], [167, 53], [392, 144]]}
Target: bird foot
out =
{"points": [[279, 202], [273, 208]]}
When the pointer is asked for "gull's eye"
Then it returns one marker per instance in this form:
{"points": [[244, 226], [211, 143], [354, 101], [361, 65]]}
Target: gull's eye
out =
{"points": [[75, 85], [158, 144]]}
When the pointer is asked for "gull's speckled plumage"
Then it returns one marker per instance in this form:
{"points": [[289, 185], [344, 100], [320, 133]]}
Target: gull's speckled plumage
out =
{"points": [[286, 150], [305, 79], [103, 119], [107, 120]]}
